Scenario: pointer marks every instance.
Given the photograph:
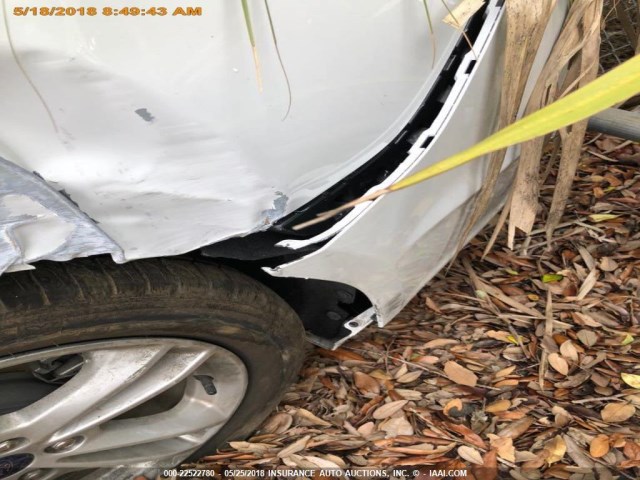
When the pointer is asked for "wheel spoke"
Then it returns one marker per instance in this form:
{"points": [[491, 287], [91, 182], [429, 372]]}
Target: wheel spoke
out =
{"points": [[104, 373], [196, 414], [168, 371]]}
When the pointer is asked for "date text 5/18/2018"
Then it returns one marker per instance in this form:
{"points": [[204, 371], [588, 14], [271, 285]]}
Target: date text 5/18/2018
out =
{"points": [[52, 11]]}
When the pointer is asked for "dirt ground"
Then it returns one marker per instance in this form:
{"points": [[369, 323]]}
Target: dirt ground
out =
{"points": [[524, 364]]}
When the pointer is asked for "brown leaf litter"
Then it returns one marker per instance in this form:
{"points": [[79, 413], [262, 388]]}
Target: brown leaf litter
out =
{"points": [[490, 368]]}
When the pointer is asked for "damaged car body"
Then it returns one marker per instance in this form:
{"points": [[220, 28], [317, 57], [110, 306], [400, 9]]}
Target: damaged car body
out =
{"points": [[158, 158]]}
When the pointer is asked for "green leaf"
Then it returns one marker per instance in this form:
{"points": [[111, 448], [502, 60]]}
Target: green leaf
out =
{"points": [[610, 89], [247, 20], [628, 339], [551, 278], [252, 41]]}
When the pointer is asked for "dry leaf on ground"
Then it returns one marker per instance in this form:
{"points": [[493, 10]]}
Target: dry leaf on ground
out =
{"points": [[470, 455], [555, 449], [389, 409], [599, 446], [617, 412], [459, 374]]}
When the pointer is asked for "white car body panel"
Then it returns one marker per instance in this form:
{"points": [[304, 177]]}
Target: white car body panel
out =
{"points": [[156, 128], [391, 247], [149, 136]]}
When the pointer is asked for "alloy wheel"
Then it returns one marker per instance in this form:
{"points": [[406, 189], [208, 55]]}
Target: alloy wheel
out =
{"points": [[144, 403]]}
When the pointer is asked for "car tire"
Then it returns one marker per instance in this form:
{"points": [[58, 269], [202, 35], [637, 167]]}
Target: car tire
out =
{"points": [[94, 299]]}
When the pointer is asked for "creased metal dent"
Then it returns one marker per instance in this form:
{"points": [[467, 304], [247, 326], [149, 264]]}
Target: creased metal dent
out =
{"points": [[85, 238]]}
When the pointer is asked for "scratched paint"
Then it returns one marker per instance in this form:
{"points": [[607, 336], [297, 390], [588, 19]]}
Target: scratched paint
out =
{"points": [[144, 114], [278, 210]]}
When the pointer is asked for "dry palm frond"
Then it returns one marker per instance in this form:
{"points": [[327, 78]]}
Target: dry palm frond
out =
{"points": [[577, 48], [572, 138], [526, 24], [523, 206]]}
